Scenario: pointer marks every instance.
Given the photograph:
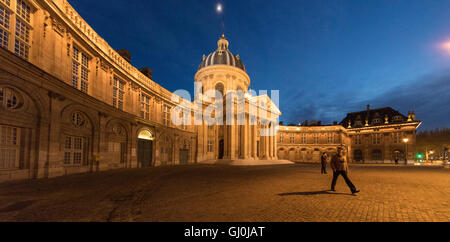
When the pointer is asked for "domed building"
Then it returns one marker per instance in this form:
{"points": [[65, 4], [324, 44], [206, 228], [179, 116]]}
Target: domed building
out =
{"points": [[222, 70], [225, 72], [222, 56]]}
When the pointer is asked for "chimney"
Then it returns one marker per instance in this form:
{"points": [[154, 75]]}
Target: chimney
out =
{"points": [[125, 54], [335, 122], [368, 107], [147, 72]]}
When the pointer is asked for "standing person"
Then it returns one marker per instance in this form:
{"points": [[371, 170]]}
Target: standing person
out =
{"points": [[396, 160], [324, 159], [340, 167]]}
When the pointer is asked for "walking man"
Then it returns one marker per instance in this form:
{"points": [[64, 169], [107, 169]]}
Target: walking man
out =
{"points": [[324, 159], [340, 167]]}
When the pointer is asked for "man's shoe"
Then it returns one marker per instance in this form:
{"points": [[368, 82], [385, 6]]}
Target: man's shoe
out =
{"points": [[356, 191]]}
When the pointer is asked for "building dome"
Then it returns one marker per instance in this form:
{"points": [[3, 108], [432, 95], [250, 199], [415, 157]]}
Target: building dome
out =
{"points": [[222, 56]]}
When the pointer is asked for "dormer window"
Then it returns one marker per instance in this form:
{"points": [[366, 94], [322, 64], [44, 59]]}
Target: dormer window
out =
{"points": [[398, 118], [376, 121]]}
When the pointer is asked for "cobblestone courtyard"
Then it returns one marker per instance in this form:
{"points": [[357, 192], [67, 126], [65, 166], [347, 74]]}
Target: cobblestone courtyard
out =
{"points": [[231, 193]]}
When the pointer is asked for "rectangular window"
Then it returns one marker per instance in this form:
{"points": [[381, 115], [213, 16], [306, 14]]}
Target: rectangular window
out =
{"points": [[376, 139], [23, 29], [210, 146], [118, 93], [80, 70], [281, 137], [145, 107], [4, 38], [358, 139], [330, 138], [166, 115], [21, 49], [9, 147], [74, 150], [397, 137], [292, 138], [316, 138], [16, 28], [4, 17], [23, 10], [6, 2], [303, 139]]}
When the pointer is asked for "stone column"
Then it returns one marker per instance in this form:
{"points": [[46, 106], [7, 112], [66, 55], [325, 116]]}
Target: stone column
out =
{"points": [[233, 150], [275, 145], [271, 142], [246, 138], [254, 148], [225, 139], [266, 143]]}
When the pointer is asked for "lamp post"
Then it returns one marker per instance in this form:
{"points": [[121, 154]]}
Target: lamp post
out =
{"points": [[431, 153], [405, 140]]}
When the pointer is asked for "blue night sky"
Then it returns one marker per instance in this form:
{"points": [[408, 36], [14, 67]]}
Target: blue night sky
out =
{"points": [[326, 57]]}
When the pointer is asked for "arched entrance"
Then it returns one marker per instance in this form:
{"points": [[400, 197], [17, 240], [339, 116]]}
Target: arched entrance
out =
{"points": [[398, 155], [145, 148], [184, 152], [377, 155], [291, 154], [358, 156]]}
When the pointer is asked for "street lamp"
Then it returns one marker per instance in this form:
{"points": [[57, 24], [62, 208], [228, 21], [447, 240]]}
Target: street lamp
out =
{"points": [[405, 140]]}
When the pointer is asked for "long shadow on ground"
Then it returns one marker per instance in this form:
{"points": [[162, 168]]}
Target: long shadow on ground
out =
{"points": [[327, 192]]}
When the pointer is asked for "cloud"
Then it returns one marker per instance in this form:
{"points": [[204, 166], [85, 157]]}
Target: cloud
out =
{"points": [[428, 96]]}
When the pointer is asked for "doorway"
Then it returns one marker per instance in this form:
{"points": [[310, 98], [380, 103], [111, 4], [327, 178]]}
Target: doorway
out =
{"points": [[145, 148], [221, 149], [184, 156]]}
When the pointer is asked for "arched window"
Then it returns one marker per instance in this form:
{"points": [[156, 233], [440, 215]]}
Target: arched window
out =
{"points": [[377, 155], [9, 99], [78, 119], [146, 135], [358, 155], [220, 88]]}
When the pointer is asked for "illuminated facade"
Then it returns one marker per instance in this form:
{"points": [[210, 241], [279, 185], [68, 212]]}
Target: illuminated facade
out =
{"points": [[70, 103], [370, 136], [225, 75]]}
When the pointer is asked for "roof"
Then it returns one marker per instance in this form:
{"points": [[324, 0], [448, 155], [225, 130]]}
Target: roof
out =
{"points": [[375, 117], [222, 56]]}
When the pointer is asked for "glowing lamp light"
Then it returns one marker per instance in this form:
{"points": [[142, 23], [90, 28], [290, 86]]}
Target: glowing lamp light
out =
{"points": [[446, 46], [219, 8], [419, 156], [405, 140]]}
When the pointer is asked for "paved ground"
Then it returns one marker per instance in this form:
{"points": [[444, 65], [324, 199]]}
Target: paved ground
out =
{"points": [[230, 193]]}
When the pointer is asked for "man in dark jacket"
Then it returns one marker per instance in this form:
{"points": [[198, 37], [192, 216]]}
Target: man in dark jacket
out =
{"points": [[340, 167], [324, 159]]}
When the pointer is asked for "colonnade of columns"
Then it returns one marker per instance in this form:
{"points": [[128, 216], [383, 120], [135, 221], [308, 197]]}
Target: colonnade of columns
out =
{"points": [[250, 141]]}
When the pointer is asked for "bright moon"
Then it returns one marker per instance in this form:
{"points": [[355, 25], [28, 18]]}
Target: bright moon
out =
{"points": [[219, 8]]}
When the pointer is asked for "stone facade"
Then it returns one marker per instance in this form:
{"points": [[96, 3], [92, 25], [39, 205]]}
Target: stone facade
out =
{"points": [[370, 136], [251, 133], [381, 135], [307, 143], [70, 103]]}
